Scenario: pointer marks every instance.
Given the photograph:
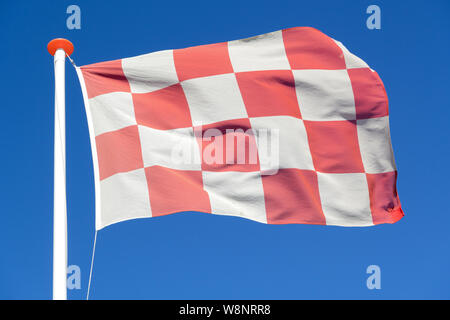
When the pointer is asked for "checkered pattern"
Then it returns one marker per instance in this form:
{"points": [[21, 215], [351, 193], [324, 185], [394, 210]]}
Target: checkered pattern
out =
{"points": [[329, 108]]}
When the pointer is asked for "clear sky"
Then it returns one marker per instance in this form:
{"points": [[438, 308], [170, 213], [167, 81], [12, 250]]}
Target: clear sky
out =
{"points": [[200, 256]]}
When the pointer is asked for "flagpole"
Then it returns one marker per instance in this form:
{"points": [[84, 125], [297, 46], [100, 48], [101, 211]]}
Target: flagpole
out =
{"points": [[59, 48]]}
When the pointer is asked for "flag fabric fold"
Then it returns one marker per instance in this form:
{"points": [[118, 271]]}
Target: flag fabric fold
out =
{"points": [[286, 127]]}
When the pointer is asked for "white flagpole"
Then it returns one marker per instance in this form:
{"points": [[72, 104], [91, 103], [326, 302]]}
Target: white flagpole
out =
{"points": [[58, 48]]}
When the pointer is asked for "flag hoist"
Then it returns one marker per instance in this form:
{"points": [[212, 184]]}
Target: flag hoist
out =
{"points": [[59, 48]]}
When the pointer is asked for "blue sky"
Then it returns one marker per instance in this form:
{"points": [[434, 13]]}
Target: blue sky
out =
{"points": [[199, 256]]}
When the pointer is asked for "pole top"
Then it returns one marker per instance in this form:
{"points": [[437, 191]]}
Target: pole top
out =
{"points": [[60, 43]]}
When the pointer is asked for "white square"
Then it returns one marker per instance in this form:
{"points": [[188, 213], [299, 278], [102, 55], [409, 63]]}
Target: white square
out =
{"points": [[150, 72], [124, 196], [345, 199], [213, 99], [175, 149], [325, 95], [234, 193], [264, 52], [375, 145], [112, 111], [286, 145], [351, 61]]}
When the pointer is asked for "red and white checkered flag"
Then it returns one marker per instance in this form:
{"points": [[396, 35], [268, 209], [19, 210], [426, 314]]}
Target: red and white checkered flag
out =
{"points": [[286, 127]]}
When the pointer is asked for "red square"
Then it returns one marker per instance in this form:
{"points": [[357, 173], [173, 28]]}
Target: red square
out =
{"points": [[308, 48], [202, 61], [162, 109], [370, 96], [119, 151], [334, 146], [384, 201], [175, 191], [105, 77], [292, 196], [269, 93], [228, 146]]}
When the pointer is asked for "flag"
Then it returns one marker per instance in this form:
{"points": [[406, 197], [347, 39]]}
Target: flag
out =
{"points": [[285, 127]]}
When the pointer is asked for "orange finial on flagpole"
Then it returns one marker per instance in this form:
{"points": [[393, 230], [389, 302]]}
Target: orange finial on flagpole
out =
{"points": [[60, 43]]}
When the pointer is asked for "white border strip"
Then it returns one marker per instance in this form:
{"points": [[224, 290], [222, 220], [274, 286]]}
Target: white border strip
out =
{"points": [[93, 149]]}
